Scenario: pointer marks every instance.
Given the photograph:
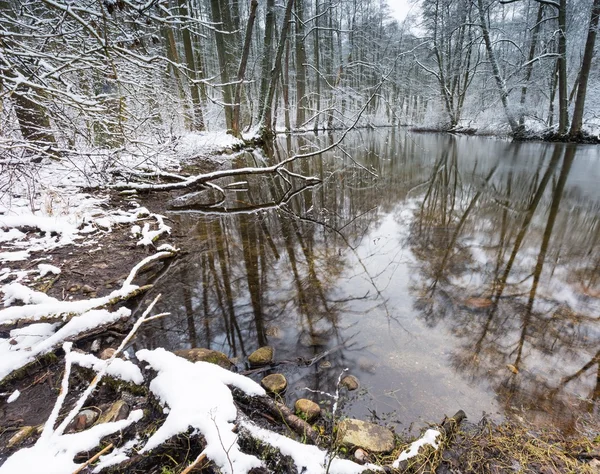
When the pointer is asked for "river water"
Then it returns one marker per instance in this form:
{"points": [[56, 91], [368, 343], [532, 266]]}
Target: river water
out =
{"points": [[444, 272]]}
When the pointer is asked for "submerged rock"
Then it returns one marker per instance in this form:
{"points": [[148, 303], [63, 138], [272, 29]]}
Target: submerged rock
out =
{"points": [[315, 339], [261, 356], [199, 354], [368, 436], [307, 409], [274, 383], [350, 382]]}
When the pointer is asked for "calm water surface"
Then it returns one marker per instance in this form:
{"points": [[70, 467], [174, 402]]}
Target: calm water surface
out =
{"points": [[445, 273]]}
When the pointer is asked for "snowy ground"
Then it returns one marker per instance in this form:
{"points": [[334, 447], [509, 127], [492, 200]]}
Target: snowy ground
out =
{"points": [[44, 207]]}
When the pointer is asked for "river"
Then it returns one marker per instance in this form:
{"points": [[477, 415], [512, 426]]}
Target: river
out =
{"points": [[444, 272]]}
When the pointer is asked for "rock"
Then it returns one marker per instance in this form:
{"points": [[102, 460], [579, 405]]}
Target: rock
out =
{"points": [[107, 353], [118, 411], [274, 383], [199, 354], [95, 347], [87, 289], [84, 419], [20, 436], [361, 456], [261, 356], [368, 436], [350, 382], [307, 409]]}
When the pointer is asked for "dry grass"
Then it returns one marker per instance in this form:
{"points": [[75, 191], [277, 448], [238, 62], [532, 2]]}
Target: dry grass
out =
{"points": [[513, 448]]}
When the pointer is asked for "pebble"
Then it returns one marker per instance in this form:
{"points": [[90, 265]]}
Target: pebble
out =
{"points": [[107, 353], [361, 456], [307, 409], [200, 354], [261, 356], [84, 419], [117, 411], [274, 383], [350, 382]]}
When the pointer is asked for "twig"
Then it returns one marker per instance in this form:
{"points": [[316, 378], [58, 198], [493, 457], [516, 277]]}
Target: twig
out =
{"points": [[94, 458], [144, 263], [64, 389], [201, 457]]}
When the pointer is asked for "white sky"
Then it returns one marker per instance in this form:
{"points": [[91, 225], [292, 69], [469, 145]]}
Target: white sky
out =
{"points": [[400, 8]]}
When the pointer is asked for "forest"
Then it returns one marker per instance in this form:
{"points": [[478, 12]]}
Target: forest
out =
{"points": [[125, 75], [312, 236]]}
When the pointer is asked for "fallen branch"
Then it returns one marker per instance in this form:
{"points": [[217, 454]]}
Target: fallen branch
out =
{"points": [[53, 310], [93, 459], [283, 413], [201, 457], [64, 311]]}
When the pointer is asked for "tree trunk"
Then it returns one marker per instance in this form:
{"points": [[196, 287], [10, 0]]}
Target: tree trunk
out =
{"points": [[171, 50], [33, 119], [223, 55], [495, 69], [563, 111], [266, 128], [529, 67], [242, 70], [285, 86], [585, 71], [301, 99], [317, 56], [267, 57], [198, 116], [553, 87]]}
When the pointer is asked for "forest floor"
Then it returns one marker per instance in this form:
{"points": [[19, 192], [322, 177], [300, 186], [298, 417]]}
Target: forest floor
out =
{"points": [[84, 258]]}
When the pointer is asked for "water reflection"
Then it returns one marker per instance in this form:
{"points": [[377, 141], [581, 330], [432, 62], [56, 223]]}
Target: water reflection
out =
{"points": [[444, 272]]}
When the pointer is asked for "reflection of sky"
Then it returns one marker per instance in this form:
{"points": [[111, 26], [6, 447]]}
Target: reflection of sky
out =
{"points": [[408, 371]]}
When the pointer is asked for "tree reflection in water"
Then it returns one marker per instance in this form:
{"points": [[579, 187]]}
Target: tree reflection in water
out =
{"points": [[402, 244], [504, 268]]}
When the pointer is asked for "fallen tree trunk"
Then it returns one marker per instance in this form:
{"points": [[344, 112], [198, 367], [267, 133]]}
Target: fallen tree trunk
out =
{"points": [[281, 412]]}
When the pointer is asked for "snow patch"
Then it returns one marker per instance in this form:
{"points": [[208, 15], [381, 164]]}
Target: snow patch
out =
{"points": [[27, 343], [429, 438], [13, 396], [45, 268], [16, 292], [117, 456], [198, 396], [54, 454], [117, 368]]}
